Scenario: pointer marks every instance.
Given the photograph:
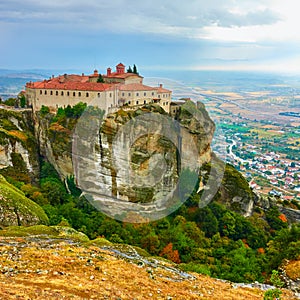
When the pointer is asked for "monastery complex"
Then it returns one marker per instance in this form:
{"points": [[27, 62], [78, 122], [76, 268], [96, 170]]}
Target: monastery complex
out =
{"points": [[117, 89]]}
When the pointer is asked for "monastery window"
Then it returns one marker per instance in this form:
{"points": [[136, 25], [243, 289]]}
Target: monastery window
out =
{"points": [[51, 93], [129, 94], [99, 95], [74, 94], [145, 102], [62, 93], [45, 92], [123, 94], [87, 94], [158, 96], [129, 102], [145, 94], [110, 95], [152, 93], [137, 94], [56, 93], [79, 94], [68, 93], [41, 92], [137, 102]]}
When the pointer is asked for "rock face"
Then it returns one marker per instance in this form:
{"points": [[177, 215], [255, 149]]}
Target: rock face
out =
{"points": [[54, 142], [16, 209], [234, 191], [139, 156], [18, 148]]}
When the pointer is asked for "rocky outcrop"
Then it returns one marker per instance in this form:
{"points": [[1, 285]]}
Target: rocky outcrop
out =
{"points": [[54, 144], [234, 191], [18, 148], [139, 156]]}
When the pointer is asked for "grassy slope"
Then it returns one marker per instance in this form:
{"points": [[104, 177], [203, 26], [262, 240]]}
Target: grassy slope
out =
{"points": [[61, 269], [12, 199]]}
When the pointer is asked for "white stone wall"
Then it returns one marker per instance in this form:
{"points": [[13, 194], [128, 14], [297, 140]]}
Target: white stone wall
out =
{"points": [[104, 100], [62, 98]]}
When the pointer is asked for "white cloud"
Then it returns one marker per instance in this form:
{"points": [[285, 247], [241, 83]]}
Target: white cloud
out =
{"points": [[142, 16], [247, 30]]}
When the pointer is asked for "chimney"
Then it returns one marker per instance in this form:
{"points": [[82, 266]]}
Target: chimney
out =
{"points": [[108, 71], [160, 85], [82, 74], [96, 73]]}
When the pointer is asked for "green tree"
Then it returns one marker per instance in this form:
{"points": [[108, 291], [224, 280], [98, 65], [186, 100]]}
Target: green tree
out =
{"points": [[129, 70], [54, 191], [100, 79], [11, 102], [135, 71], [207, 221], [22, 100], [151, 243], [278, 283], [78, 109], [44, 110], [273, 219]]}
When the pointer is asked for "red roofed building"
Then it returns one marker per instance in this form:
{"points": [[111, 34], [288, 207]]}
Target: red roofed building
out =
{"points": [[119, 88]]}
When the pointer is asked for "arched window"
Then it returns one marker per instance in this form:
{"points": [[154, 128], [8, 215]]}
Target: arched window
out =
{"points": [[62, 93], [145, 102], [99, 95], [74, 94], [110, 95], [145, 94], [41, 92], [137, 102], [68, 93], [51, 93], [137, 94], [56, 93], [79, 94], [129, 94], [129, 102], [87, 94], [45, 92]]}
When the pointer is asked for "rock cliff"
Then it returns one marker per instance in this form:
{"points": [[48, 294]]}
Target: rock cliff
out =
{"points": [[18, 147], [137, 156]]}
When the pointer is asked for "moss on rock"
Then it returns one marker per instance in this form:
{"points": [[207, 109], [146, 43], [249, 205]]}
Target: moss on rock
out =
{"points": [[16, 209]]}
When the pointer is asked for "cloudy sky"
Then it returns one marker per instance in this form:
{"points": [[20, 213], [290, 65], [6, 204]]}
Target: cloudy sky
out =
{"points": [[192, 34]]}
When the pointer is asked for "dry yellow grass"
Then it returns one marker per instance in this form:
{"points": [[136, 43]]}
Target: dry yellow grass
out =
{"points": [[293, 269], [35, 270], [18, 134]]}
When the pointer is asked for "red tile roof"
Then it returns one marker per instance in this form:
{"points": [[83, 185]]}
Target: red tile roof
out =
{"points": [[162, 90], [135, 87], [69, 82], [120, 65]]}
